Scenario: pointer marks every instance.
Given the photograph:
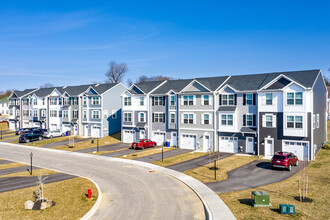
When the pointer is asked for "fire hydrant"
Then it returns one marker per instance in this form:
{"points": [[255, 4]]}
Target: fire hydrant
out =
{"points": [[89, 193]]}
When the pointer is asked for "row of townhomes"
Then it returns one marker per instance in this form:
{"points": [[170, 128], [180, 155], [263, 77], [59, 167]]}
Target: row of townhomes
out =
{"points": [[87, 110], [252, 114]]}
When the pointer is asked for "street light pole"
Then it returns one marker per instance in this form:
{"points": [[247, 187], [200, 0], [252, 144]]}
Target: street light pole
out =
{"points": [[31, 155], [1, 133], [215, 167], [162, 153], [97, 145]]}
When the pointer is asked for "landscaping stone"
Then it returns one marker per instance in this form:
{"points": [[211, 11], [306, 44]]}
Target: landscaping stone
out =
{"points": [[46, 203], [28, 204]]}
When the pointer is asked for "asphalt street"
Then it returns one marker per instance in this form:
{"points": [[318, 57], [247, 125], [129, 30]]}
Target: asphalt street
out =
{"points": [[254, 174], [10, 140], [166, 154], [14, 183], [109, 147], [194, 163], [6, 161], [128, 191], [16, 170]]}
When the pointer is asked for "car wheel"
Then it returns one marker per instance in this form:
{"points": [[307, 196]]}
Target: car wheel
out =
{"points": [[62, 134], [51, 136], [142, 147], [289, 167], [27, 141], [297, 163], [154, 145], [40, 138]]}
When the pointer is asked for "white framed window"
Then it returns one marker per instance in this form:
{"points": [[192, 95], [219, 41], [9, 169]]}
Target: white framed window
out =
{"points": [[25, 101], [11, 112], [294, 98], [127, 101], [65, 113], [66, 101], [141, 101], [269, 98], [17, 112], [35, 101], [95, 114], [228, 99], [11, 102], [96, 100], [114, 114], [206, 100], [172, 100], [84, 114], [85, 100], [227, 119], [249, 120], [25, 112], [188, 100], [53, 113], [188, 118], [294, 121], [75, 100], [206, 119], [127, 117], [75, 113], [43, 113], [314, 121], [159, 117], [172, 118], [317, 121], [269, 121], [142, 117], [35, 113], [43, 101], [53, 101], [158, 100], [249, 99]]}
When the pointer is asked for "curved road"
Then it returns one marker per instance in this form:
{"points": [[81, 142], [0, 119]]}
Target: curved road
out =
{"points": [[128, 191]]}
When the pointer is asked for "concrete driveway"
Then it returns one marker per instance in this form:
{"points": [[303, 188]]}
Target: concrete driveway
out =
{"points": [[129, 191], [254, 174], [109, 147]]}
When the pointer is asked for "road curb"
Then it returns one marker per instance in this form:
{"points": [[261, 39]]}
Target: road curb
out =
{"points": [[214, 206]]}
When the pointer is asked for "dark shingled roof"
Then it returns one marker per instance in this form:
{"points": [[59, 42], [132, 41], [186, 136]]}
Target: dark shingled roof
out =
{"points": [[248, 130], [101, 88], [76, 90], [24, 92], [147, 87], [43, 92], [212, 82], [227, 108], [175, 85]]}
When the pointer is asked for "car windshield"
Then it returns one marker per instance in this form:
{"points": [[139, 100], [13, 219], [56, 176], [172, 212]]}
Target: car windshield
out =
{"points": [[139, 141], [279, 157]]}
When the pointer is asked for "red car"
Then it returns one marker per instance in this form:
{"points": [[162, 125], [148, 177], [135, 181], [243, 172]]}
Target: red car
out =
{"points": [[284, 160], [143, 143]]}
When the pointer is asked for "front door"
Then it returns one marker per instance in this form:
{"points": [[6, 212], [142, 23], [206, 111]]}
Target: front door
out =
{"points": [[206, 143], [86, 131], [269, 147], [174, 139], [249, 145], [142, 134]]}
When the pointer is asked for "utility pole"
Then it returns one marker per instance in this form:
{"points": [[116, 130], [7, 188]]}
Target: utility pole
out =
{"points": [[31, 155]]}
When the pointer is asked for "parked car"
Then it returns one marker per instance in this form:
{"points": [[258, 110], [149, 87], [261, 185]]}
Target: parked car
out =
{"points": [[51, 134], [284, 160], [143, 143], [24, 131], [30, 136]]}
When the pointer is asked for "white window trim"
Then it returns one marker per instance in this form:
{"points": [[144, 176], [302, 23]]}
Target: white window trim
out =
{"points": [[141, 100], [228, 94], [317, 121], [98, 114], [294, 98], [246, 121], [264, 121], [170, 119], [162, 116], [127, 117], [226, 125], [210, 100], [170, 97], [144, 116], [246, 98], [203, 119], [188, 113], [294, 121]]}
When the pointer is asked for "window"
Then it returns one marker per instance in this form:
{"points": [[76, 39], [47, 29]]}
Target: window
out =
{"points": [[188, 118], [43, 101], [75, 100], [158, 100], [60, 101], [269, 120], [75, 114], [53, 113], [65, 113], [127, 117], [317, 121], [249, 99], [96, 114], [66, 101], [43, 113], [114, 114], [314, 121], [142, 117], [172, 119], [25, 112], [206, 100], [25, 102], [188, 100], [172, 100], [35, 101], [206, 119], [159, 117], [52, 101], [228, 99], [294, 98], [141, 101], [249, 120], [35, 113], [294, 121], [127, 101], [269, 98], [17, 112], [96, 100], [227, 119], [11, 102], [84, 114], [60, 113], [85, 100], [11, 112]]}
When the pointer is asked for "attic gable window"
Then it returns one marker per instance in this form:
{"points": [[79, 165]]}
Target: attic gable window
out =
{"points": [[66, 101], [269, 98], [158, 100], [172, 101], [228, 99]]}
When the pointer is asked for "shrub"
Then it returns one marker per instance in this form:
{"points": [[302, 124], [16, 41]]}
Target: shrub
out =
{"points": [[326, 146]]}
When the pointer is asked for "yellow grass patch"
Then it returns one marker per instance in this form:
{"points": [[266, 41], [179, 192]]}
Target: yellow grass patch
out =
{"points": [[11, 165], [4, 126], [107, 152], [145, 152], [178, 158], [205, 174], [47, 141]]}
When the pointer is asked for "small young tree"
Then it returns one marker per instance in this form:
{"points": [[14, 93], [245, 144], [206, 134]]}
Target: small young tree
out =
{"points": [[116, 71]]}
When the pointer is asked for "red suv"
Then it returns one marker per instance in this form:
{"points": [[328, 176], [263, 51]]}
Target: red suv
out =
{"points": [[284, 160], [143, 143]]}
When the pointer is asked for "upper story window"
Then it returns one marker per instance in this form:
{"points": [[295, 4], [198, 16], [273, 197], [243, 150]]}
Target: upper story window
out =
{"points": [[172, 100], [188, 118], [85, 100], [206, 119], [249, 120], [141, 101], [75, 113], [269, 98], [96, 100], [84, 114], [53, 113], [53, 101], [206, 100], [269, 121], [35, 113], [66, 101], [142, 117], [43, 101], [11, 102], [127, 117], [96, 114], [25, 112], [75, 100], [188, 100], [25, 101], [158, 100], [43, 113], [17, 112], [249, 99], [65, 113], [294, 98], [35, 101], [228, 99], [127, 101], [172, 118], [294, 121], [227, 119], [159, 117], [11, 112]]}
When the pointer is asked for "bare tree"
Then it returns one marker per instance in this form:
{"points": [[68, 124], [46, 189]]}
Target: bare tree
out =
{"points": [[116, 71], [152, 78], [129, 82], [47, 85]]}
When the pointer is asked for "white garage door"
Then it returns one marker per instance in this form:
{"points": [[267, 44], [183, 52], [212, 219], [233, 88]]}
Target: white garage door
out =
{"points": [[129, 136], [12, 125], [188, 141], [228, 144], [300, 149], [158, 137], [96, 131]]}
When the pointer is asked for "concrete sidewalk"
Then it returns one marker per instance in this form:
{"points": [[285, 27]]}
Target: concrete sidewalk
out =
{"points": [[166, 154], [109, 147]]}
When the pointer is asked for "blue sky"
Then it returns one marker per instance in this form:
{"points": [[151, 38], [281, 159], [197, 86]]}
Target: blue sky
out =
{"points": [[72, 42]]}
